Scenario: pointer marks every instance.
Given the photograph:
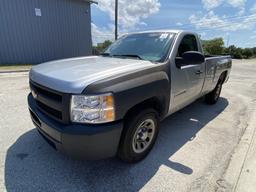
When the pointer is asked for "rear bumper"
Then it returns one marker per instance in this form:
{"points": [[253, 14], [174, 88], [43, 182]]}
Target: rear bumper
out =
{"points": [[80, 141]]}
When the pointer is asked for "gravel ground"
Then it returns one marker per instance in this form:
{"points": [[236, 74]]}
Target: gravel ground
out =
{"points": [[192, 152]]}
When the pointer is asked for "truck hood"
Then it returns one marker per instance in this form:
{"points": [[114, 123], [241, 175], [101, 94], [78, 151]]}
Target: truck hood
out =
{"points": [[74, 75]]}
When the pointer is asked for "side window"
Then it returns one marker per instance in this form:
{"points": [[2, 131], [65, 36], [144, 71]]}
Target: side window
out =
{"points": [[188, 43]]}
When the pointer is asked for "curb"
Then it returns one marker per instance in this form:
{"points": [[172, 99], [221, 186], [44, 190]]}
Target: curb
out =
{"points": [[235, 168], [246, 181], [15, 71]]}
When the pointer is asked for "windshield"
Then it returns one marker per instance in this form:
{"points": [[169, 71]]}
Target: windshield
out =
{"points": [[146, 46]]}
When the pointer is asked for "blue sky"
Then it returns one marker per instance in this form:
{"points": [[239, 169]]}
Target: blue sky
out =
{"points": [[234, 20]]}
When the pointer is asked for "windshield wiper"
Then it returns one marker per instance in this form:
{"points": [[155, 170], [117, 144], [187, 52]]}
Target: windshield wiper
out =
{"points": [[129, 55], [105, 54]]}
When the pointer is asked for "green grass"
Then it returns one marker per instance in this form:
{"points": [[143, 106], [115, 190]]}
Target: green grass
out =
{"points": [[15, 67]]}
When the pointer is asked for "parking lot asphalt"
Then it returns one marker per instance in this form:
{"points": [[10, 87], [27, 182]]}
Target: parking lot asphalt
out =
{"points": [[192, 152]]}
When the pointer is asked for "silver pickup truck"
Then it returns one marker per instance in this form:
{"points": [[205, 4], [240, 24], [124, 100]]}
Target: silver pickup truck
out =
{"points": [[111, 105]]}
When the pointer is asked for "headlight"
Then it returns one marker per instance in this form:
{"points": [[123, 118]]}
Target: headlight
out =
{"points": [[92, 109]]}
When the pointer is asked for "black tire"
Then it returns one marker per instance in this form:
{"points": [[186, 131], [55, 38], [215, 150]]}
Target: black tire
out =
{"points": [[126, 151], [212, 97]]}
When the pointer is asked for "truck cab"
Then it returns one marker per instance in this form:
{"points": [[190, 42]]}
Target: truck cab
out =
{"points": [[111, 105]]}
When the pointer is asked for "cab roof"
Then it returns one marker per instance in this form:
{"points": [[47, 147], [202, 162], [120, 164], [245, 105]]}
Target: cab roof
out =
{"points": [[161, 30]]}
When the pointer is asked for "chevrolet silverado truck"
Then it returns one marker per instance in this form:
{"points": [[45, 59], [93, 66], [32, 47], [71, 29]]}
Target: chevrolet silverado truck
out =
{"points": [[110, 105]]}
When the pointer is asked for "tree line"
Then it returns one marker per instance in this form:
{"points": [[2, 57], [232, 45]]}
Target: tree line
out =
{"points": [[211, 47], [216, 47], [100, 47]]}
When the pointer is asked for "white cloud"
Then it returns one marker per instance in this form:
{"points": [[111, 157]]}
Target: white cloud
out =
{"points": [[213, 21], [211, 4], [249, 44], [239, 4], [130, 11], [179, 24], [202, 34], [99, 35], [241, 12], [253, 9], [130, 15], [236, 3]]}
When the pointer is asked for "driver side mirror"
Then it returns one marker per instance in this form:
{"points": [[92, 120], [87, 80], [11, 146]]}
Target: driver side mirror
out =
{"points": [[190, 58]]}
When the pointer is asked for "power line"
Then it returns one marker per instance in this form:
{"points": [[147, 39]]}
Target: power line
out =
{"points": [[203, 29], [226, 21], [223, 19], [220, 25], [224, 25]]}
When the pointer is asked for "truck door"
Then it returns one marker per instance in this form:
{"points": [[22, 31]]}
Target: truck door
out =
{"points": [[187, 81]]}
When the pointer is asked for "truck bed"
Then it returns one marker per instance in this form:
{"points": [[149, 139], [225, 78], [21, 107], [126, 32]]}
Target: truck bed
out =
{"points": [[214, 66]]}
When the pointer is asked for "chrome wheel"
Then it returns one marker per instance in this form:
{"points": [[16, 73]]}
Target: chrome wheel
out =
{"points": [[143, 136]]}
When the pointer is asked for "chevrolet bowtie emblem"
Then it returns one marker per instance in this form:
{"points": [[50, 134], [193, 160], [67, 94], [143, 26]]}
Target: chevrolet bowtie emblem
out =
{"points": [[34, 94]]}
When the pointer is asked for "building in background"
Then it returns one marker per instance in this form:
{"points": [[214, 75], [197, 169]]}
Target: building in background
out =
{"points": [[35, 31]]}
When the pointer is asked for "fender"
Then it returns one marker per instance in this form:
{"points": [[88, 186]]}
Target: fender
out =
{"points": [[132, 89]]}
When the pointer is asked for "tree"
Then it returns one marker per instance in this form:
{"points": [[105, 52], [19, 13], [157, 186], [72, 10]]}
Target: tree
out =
{"points": [[231, 49], [237, 53], [247, 53], [213, 46], [102, 46], [254, 51]]}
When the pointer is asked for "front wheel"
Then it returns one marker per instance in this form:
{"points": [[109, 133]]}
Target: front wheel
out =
{"points": [[212, 97], [139, 136]]}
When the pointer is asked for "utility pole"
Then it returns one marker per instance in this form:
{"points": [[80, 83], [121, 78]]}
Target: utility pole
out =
{"points": [[228, 41], [116, 19]]}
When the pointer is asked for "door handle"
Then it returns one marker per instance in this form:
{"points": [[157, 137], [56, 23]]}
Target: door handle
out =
{"points": [[198, 72]]}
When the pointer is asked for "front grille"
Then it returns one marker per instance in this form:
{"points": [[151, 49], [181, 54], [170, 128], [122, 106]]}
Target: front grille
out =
{"points": [[48, 94], [52, 103], [49, 110]]}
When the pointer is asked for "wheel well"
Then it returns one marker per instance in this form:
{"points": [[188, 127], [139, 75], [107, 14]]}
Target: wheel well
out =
{"points": [[223, 76], [154, 103]]}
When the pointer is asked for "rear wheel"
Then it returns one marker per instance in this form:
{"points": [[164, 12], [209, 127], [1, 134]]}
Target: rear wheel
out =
{"points": [[139, 135], [212, 97]]}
